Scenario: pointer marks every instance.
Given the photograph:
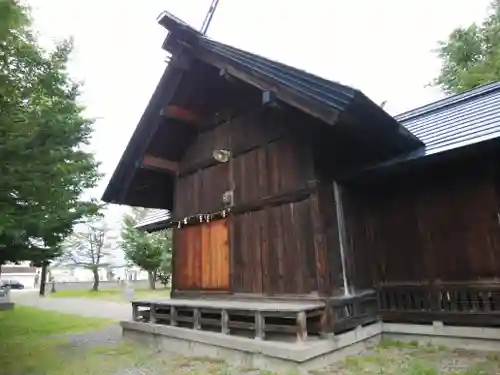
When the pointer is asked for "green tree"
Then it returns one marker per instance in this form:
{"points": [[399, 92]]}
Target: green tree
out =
{"points": [[43, 133], [164, 273], [471, 55], [146, 250]]}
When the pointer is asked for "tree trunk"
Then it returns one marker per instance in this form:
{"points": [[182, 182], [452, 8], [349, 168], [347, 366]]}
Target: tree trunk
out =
{"points": [[43, 278], [152, 280], [95, 287]]}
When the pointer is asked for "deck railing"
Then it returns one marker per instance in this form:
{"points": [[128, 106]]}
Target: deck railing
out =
{"points": [[348, 312], [450, 303]]}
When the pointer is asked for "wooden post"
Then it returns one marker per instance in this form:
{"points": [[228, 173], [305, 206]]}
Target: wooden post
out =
{"points": [[301, 326], [325, 320], [225, 322], [173, 316], [435, 297], [152, 313], [196, 319], [135, 311], [260, 326]]}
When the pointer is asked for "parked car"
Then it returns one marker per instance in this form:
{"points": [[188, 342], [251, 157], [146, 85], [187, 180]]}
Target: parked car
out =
{"points": [[12, 284]]}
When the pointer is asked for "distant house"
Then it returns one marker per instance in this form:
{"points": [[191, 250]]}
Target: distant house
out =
{"points": [[72, 273], [22, 272]]}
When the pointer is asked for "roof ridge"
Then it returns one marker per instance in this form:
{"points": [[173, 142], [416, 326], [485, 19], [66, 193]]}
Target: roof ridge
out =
{"points": [[325, 81], [448, 101], [172, 22]]}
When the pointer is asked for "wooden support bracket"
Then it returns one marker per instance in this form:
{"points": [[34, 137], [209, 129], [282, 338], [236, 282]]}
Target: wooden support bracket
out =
{"points": [[269, 99], [153, 162], [181, 114]]}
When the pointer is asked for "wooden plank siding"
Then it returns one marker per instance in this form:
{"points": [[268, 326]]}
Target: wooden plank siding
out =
{"points": [[269, 163], [215, 256], [274, 251], [437, 227], [188, 259], [278, 231], [202, 257]]}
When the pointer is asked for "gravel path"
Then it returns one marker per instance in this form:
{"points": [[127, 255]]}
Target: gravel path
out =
{"points": [[77, 306], [79, 343], [109, 335]]}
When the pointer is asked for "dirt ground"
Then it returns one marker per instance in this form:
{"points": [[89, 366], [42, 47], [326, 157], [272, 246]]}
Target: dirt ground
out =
{"points": [[395, 358], [389, 358]]}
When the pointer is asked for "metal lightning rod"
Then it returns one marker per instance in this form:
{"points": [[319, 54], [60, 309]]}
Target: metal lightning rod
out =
{"points": [[208, 17]]}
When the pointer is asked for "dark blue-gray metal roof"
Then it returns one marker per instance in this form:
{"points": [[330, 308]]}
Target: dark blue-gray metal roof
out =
{"points": [[330, 93], [457, 121], [471, 118], [154, 220], [333, 93]]}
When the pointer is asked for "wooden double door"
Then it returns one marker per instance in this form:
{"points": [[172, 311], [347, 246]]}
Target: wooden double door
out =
{"points": [[201, 256]]}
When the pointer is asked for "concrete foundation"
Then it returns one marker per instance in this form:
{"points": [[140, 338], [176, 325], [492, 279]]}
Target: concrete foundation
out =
{"points": [[472, 338], [240, 351], [312, 354]]}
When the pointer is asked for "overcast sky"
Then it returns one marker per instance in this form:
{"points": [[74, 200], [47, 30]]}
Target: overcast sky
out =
{"points": [[384, 48]]}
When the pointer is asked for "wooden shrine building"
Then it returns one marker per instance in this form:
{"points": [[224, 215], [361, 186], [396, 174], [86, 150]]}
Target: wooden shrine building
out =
{"points": [[288, 188]]}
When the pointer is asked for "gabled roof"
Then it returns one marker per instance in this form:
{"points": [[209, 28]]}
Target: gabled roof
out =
{"points": [[330, 93], [155, 219], [296, 87], [328, 101]]}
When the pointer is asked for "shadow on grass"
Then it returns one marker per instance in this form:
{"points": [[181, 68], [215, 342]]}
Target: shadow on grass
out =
{"points": [[31, 341], [113, 295]]}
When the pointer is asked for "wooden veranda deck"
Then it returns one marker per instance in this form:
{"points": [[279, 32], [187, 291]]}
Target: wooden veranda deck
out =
{"points": [[259, 318], [255, 318]]}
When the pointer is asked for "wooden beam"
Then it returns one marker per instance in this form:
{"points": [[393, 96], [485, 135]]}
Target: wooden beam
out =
{"points": [[282, 92], [158, 163], [270, 99], [210, 161], [296, 195], [225, 74], [181, 114]]}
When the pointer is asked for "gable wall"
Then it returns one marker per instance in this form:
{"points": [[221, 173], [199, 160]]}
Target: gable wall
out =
{"points": [[277, 238]]}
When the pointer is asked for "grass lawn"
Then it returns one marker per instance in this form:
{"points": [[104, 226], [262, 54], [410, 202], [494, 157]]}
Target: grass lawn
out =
{"points": [[31, 341], [115, 295], [35, 341]]}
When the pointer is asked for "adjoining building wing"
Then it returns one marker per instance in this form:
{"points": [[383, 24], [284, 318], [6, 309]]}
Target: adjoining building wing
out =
{"points": [[457, 121], [155, 219], [455, 126]]}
